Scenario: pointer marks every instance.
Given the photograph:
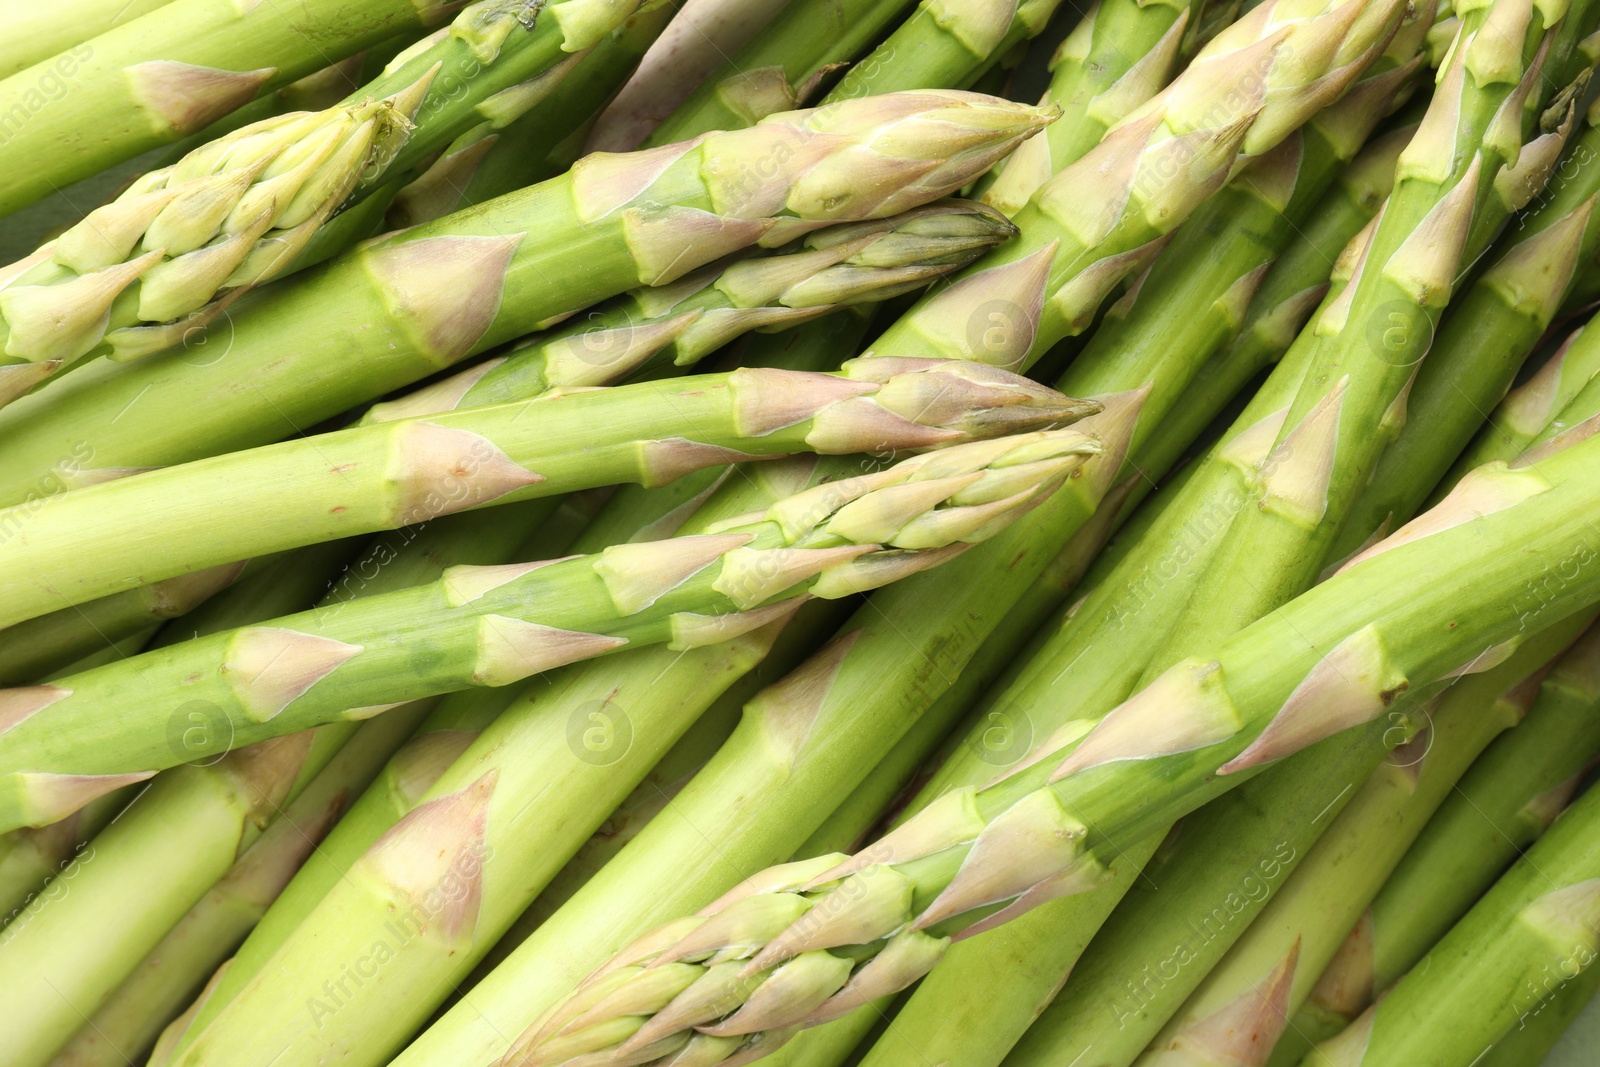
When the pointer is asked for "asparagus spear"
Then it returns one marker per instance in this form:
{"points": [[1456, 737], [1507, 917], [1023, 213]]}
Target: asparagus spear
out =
{"points": [[1426, 603], [477, 620], [138, 877], [1119, 56], [1243, 1004], [143, 273], [616, 722], [1482, 343], [1498, 967], [1535, 1036], [707, 32], [779, 69], [385, 476], [127, 1024], [1457, 181], [686, 321], [1497, 811], [168, 74], [497, 156], [408, 305], [36, 33]]}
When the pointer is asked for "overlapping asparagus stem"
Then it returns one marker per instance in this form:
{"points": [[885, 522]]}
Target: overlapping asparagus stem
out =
{"points": [[386, 476], [131, 1018], [1535, 1036], [168, 74], [503, 154], [145, 272], [403, 307], [781, 68], [1530, 935], [978, 857], [1104, 218], [686, 321], [616, 720], [31, 651], [1119, 56], [38, 33], [697, 43], [945, 43], [1508, 798], [139, 876], [1459, 178], [1245, 1002], [1490, 330], [492, 626]]}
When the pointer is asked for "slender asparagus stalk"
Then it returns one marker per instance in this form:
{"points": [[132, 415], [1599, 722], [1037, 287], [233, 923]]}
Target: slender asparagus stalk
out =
{"points": [[1526, 413], [126, 1025], [1457, 181], [1431, 599], [477, 622], [168, 74], [1244, 1003], [141, 874], [384, 476], [697, 43], [498, 157], [682, 323], [1119, 56], [32, 650], [1104, 218], [336, 337], [781, 67], [945, 44], [1532, 933], [649, 698], [36, 33], [1535, 1036], [1506, 808], [146, 272], [31, 858], [1489, 332]]}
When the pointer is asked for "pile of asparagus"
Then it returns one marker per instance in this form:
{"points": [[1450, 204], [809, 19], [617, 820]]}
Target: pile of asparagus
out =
{"points": [[686, 532]]}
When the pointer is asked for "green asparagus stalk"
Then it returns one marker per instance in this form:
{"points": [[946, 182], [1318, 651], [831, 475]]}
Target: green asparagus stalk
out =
{"points": [[698, 41], [682, 323], [1527, 412], [36, 33], [1119, 56], [141, 874], [406, 306], [1496, 812], [245, 208], [1491, 330], [1534, 1036], [948, 44], [263, 682], [1530, 935], [32, 650], [1457, 181], [497, 156], [386, 476], [780, 69], [1103, 218], [654, 696], [126, 1025], [465, 539], [169, 73], [1244, 1003], [1407, 615], [30, 858]]}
